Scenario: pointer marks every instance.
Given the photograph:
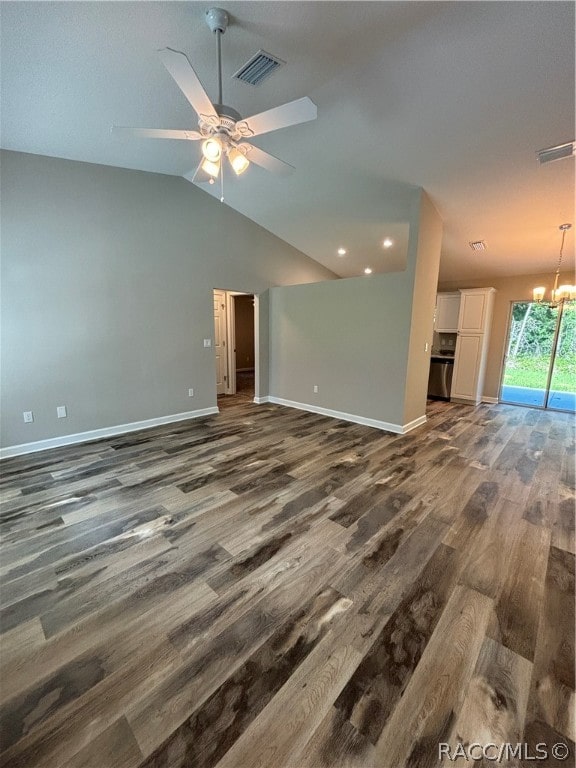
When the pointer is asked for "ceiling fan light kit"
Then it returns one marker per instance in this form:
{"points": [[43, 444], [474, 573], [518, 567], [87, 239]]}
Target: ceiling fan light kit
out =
{"points": [[212, 150], [221, 128], [238, 160]]}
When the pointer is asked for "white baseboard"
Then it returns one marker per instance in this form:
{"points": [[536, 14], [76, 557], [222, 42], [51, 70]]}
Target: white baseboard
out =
{"points": [[413, 424], [261, 400], [400, 429], [486, 399], [98, 434]]}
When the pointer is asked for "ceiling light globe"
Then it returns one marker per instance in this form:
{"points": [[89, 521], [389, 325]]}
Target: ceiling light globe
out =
{"points": [[388, 243], [213, 169], [212, 149], [341, 251], [367, 271], [238, 161]]}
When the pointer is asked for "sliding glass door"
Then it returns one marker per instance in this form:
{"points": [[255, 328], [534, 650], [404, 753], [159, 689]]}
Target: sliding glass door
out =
{"points": [[562, 390], [540, 364]]}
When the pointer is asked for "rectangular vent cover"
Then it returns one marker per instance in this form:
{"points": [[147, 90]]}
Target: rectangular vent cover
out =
{"points": [[556, 153], [478, 245], [260, 66]]}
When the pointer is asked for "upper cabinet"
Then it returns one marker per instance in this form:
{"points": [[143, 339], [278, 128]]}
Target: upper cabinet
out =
{"points": [[447, 312], [475, 309]]}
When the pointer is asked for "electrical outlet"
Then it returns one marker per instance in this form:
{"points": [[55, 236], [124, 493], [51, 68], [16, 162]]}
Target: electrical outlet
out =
{"points": [[61, 412], [190, 392], [315, 389], [28, 417]]}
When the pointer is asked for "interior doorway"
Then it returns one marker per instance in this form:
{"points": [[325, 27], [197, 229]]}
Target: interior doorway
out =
{"points": [[234, 346], [540, 363]]}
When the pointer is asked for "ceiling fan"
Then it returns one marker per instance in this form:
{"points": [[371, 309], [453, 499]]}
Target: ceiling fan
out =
{"points": [[221, 128]]}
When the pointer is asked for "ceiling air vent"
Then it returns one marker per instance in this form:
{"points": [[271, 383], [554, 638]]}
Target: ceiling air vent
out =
{"points": [[559, 152], [478, 245], [258, 67]]}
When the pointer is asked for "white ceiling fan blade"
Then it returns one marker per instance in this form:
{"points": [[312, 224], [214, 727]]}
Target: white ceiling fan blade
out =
{"points": [[291, 113], [178, 65], [155, 133], [266, 160]]}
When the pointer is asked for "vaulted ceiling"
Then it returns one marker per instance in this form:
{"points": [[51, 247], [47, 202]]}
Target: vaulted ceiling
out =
{"points": [[455, 97]]}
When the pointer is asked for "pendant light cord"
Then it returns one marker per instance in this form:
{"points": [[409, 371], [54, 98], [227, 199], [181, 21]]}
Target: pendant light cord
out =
{"points": [[561, 250], [564, 228]]}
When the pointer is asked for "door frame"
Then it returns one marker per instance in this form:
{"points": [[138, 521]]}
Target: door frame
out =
{"points": [[230, 388]]}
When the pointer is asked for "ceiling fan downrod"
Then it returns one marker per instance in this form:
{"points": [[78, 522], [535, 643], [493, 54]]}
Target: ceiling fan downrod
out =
{"points": [[218, 20]]}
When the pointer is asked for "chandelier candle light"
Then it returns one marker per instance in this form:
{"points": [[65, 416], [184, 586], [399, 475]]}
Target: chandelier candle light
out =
{"points": [[558, 292]]}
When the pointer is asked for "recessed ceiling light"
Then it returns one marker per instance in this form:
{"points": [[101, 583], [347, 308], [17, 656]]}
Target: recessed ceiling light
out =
{"points": [[341, 251], [388, 243], [367, 271]]}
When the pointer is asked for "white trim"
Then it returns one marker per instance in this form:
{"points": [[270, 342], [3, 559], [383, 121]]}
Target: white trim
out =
{"points": [[261, 400], [384, 425], [230, 343], [98, 434], [413, 424], [486, 399]]}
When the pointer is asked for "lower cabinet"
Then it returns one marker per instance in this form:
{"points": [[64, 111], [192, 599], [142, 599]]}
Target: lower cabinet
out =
{"points": [[466, 383]]}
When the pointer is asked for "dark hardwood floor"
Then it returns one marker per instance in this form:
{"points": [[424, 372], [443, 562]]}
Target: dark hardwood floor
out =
{"points": [[244, 391], [268, 587]]}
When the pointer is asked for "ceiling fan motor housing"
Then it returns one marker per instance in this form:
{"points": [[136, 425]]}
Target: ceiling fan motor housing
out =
{"points": [[217, 19], [224, 111]]}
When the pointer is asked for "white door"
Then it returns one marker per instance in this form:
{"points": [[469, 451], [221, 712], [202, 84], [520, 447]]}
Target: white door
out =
{"points": [[220, 341]]}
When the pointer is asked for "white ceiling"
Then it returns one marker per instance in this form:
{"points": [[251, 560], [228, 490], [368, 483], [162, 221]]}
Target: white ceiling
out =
{"points": [[455, 97]]}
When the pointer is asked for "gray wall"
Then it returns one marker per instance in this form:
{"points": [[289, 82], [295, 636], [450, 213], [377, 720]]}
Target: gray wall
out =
{"points": [[349, 337], [361, 340], [107, 279]]}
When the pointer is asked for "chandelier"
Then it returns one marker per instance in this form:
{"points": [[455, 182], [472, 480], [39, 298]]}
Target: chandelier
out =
{"points": [[558, 292]]}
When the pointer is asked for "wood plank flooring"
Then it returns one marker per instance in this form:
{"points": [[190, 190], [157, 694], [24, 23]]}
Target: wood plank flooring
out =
{"points": [[268, 587]]}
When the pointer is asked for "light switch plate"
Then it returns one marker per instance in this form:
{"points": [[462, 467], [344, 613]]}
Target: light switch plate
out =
{"points": [[61, 412], [207, 342]]}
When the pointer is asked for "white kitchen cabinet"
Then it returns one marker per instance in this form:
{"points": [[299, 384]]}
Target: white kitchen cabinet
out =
{"points": [[447, 312], [474, 322], [474, 305], [466, 378]]}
